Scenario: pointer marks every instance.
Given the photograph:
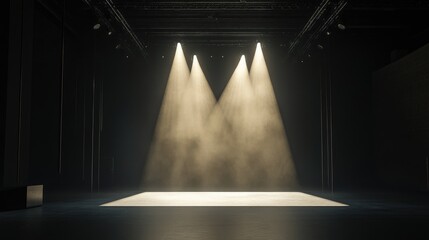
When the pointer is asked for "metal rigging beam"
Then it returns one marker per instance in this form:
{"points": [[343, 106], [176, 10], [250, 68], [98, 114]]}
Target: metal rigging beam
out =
{"points": [[106, 11], [324, 16]]}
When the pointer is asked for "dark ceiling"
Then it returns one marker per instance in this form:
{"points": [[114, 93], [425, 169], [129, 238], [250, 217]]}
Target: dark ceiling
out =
{"points": [[292, 23], [221, 22]]}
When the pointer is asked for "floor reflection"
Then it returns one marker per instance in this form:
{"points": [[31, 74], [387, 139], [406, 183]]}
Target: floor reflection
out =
{"points": [[379, 216], [217, 223]]}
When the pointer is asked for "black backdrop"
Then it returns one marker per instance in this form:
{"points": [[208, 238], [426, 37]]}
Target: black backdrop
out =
{"points": [[111, 101]]}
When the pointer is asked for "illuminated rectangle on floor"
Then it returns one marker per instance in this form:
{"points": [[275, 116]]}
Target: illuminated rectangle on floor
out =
{"points": [[223, 199]]}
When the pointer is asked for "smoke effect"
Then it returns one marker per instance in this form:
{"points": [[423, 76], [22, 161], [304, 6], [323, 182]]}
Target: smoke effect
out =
{"points": [[238, 143], [269, 134], [166, 147]]}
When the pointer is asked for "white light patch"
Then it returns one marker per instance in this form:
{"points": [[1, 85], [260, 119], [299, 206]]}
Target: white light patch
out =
{"points": [[223, 199]]}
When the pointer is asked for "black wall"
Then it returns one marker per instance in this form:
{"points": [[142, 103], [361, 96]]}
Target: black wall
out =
{"points": [[3, 84], [63, 81], [348, 61], [78, 114], [401, 121], [352, 60]]}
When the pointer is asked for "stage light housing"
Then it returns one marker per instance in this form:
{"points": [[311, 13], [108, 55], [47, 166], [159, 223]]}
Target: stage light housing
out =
{"points": [[96, 26], [341, 26]]}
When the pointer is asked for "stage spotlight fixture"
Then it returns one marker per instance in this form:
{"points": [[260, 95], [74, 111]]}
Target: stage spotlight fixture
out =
{"points": [[162, 56], [109, 33], [96, 26], [341, 26], [118, 46], [328, 33], [320, 46]]}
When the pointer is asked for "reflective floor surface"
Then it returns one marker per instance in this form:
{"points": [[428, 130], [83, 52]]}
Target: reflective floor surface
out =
{"points": [[371, 216]]}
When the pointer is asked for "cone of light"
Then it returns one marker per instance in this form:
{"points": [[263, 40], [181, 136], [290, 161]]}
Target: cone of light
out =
{"points": [[236, 100], [269, 132], [165, 149], [189, 170], [175, 157], [238, 143], [226, 132]]}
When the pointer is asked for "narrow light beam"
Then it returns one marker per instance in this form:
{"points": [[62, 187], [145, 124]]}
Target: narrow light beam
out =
{"points": [[269, 133], [252, 141], [190, 170], [165, 150], [175, 159], [225, 137]]}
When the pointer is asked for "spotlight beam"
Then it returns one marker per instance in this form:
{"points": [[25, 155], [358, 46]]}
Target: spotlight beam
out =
{"points": [[168, 131], [176, 156], [269, 131], [239, 142]]}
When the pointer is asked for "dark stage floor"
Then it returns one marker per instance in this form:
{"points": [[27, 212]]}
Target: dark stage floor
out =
{"points": [[369, 216]]}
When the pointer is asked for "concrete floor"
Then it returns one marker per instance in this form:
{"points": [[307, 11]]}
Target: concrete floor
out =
{"points": [[379, 216]]}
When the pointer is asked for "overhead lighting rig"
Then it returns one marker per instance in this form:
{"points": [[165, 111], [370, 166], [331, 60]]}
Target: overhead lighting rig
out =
{"points": [[325, 15], [241, 5], [110, 16]]}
